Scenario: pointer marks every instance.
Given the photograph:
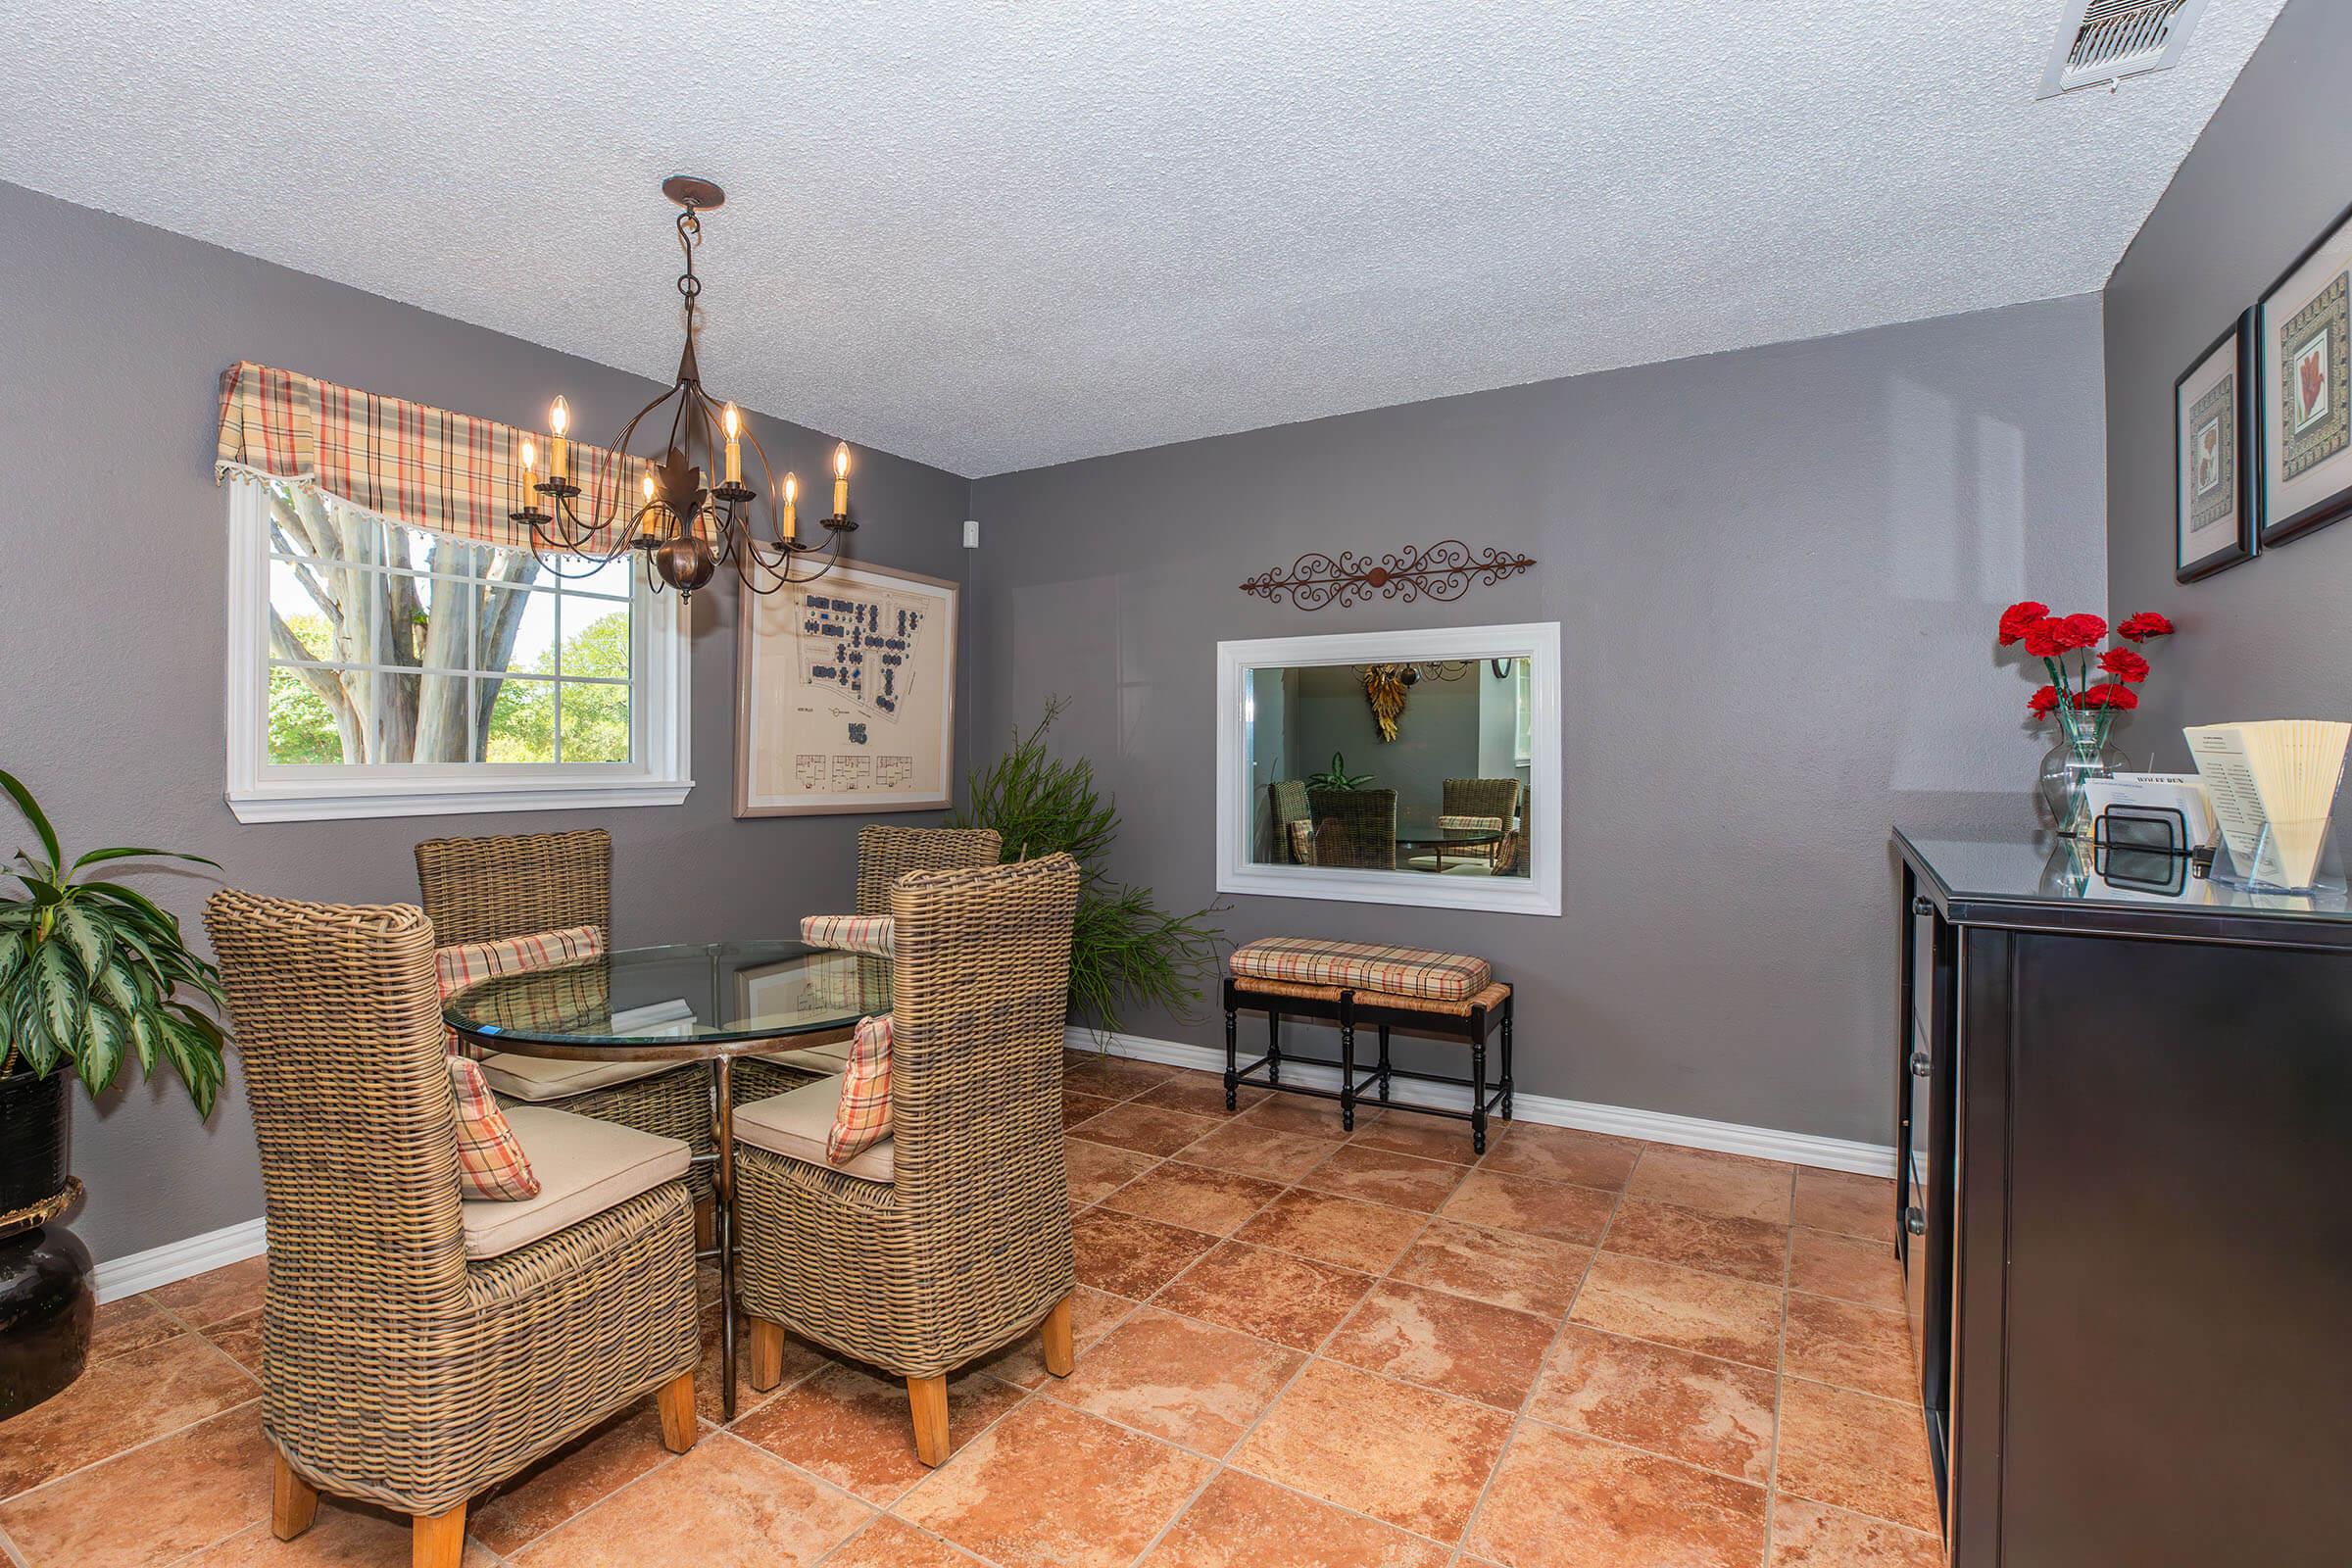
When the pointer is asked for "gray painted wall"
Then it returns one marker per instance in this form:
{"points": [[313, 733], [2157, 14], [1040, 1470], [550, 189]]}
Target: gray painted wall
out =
{"points": [[1776, 574], [2269, 638], [112, 339]]}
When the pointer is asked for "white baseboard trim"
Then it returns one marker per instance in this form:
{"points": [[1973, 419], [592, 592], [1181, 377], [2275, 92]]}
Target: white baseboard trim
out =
{"points": [[1623, 1121], [134, 1272]]}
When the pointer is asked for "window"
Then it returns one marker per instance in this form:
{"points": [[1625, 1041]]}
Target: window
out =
{"points": [[1523, 738], [378, 670]]}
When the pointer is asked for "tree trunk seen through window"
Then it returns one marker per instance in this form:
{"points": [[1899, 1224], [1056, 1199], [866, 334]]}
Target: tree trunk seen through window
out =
{"points": [[416, 632]]}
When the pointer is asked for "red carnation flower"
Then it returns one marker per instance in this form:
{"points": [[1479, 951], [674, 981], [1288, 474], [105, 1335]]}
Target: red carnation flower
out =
{"points": [[2020, 616], [2043, 703], [2147, 623], [2089, 697], [2121, 698], [2124, 664], [2047, 639], [2085, 631]]}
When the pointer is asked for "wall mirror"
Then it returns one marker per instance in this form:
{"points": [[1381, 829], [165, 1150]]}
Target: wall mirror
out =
{"points": [[1393, 767]]}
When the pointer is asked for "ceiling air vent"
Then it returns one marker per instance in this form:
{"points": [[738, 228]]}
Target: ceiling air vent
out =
{"points": [[2101, 40]]}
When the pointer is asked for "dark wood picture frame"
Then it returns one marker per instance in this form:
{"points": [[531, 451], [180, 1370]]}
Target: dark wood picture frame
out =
{"points": [[2242, 430], [2280, 524]]}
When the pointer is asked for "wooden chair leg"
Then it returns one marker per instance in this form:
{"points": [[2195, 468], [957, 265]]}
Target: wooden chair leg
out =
{"points": [[927, 1401], [1061, 1356], [293, 1502], [767, 1354], [437, 1540], [678, 1426]]}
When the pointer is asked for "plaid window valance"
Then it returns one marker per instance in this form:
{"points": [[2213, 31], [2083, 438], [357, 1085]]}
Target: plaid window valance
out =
{"points": [[424, 466]]}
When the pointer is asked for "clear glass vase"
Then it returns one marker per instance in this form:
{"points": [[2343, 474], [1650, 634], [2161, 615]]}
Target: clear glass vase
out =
{"points": [[2080, 755]]}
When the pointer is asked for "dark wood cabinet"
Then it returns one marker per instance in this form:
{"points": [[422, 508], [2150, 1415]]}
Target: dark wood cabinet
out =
{"points": [[2127, 1124]]}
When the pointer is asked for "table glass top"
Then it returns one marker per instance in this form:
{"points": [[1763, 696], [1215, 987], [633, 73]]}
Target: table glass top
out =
{"points": [[1431, 833], [2049, 869], [650, 995]]}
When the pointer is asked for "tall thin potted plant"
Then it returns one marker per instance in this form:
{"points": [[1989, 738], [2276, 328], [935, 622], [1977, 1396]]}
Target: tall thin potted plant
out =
{"points": [[94, 975]]}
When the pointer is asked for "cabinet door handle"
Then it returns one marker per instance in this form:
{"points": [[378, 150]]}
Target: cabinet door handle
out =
{"points": [[1921, 1067], [1923, 904], [1915, 1220]]}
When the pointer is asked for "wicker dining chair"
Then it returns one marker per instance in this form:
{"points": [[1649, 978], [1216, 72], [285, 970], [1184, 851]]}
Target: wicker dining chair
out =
{"points": [[952, 1238], [512, 885], [884, 855], [396, 1367], [1489, 800], [1354, 827], [1290, 812]]}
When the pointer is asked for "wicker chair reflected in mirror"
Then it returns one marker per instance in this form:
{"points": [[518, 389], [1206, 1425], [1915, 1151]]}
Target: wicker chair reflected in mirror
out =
{"points": [[1294, 824], [510, 884], [1476, 802], [1354, 828], [951, 1239], [416, 1348], [884, 855]]}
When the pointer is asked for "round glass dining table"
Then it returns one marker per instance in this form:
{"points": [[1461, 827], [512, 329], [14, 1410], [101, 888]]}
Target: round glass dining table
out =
{"points": [[709, 1003], [1430, 836]]}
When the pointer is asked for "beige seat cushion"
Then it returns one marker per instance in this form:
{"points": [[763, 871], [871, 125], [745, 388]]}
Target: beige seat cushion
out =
{"points": [[795, 1124], [536, 1080], [585, 1167], [814, 1058]]}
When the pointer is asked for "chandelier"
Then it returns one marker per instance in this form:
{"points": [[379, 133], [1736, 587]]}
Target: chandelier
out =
{"points": [[685, 526]]}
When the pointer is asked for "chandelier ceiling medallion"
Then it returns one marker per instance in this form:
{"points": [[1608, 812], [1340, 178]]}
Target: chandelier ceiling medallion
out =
{"points": [[686, 527]]}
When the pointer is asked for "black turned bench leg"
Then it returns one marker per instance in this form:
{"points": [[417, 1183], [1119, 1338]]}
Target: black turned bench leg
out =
{"points": [[1273, 1044], [1384, 1063], [1348, 1060], [1508, 1007], [1232, 1055], [1478, 1080]]}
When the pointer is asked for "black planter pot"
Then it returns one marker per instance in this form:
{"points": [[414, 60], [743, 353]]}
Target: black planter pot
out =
{"points": [[46, 1302]]}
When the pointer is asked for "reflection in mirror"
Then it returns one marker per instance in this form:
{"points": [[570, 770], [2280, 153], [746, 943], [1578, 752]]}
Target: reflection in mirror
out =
{"points": [[1419, 767]]}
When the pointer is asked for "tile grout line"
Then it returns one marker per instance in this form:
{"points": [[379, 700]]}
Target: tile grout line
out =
{"points": [[1519, 1417], [1780, 1380]]}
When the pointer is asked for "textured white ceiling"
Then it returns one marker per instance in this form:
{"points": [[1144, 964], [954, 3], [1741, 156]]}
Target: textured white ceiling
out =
{"points": [[998, 235]]}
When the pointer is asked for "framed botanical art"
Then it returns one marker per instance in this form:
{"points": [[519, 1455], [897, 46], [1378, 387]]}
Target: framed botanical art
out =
{"points": [[845, 695], [2215, 498], [2305, 372]]}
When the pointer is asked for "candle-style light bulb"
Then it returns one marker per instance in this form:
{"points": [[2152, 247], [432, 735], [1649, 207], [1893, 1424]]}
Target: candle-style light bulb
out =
{"points": [[734, 423], [791, 526], [841, 480], [531, 460], [559, 423]]}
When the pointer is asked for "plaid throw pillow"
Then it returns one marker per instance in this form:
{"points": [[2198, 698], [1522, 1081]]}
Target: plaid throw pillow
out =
{"points": [[863, 1119], [876, 933], [491, 1162], [1302, 842], [1474, 823], [471, 962]]}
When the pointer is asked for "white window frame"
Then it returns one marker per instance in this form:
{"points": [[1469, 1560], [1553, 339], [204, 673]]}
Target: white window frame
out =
{"points": [[1537, 893], [660, 720]]}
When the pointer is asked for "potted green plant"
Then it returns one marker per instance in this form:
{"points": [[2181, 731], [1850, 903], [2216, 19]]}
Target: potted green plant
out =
{"points": [[1337, 776], [1124, 947], [93, 974]]}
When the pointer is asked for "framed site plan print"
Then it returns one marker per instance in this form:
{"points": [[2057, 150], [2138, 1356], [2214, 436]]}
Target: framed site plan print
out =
{"points": [[845, 695], [2215, 497], [2306, 362]]}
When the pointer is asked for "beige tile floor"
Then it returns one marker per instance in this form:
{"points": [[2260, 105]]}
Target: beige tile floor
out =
{"points": [[1296, 1350]]}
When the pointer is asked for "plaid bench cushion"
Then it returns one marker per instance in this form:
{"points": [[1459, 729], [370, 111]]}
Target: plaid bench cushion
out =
{"points": [[1363, 966], [1474, 823]]}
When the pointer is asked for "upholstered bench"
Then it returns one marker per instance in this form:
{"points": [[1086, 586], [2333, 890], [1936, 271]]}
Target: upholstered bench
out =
{"points": [[1352, 984]]}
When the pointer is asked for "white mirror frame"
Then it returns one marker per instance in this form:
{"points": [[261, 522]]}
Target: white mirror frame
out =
{"points": [[1539, 893]]}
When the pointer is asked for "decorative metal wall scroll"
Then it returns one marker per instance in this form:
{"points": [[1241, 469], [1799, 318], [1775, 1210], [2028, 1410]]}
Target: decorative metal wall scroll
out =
{"points": [[1444, 571]]}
